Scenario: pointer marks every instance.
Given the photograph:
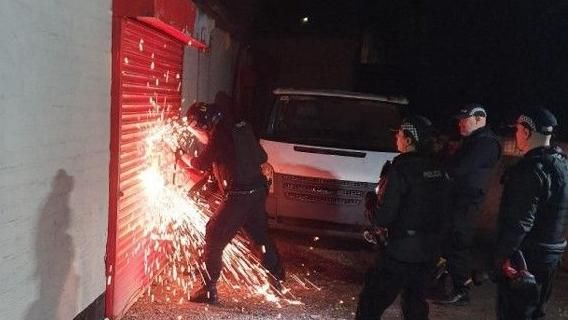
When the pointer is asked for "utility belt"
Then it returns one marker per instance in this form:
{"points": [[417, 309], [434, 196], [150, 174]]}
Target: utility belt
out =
{"points": [[241, 192], [468, 196], [550, 248], [409, 233]]}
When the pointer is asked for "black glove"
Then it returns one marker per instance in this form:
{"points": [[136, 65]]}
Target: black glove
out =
{"points": [[370, 200]]}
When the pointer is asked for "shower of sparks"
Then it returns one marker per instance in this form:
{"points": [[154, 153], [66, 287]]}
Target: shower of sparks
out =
{"points": [[175, 220]]}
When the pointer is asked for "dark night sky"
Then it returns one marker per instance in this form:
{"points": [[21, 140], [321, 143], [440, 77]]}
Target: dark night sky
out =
{"points": [[504, 54]]}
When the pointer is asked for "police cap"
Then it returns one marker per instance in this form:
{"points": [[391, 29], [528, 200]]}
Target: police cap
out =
{"points": [[540, 120], [471, 110], [419, 127]]}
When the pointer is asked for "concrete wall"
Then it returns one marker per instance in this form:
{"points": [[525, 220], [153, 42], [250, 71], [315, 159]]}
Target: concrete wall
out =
{"points": [[55, 73], [207, 73]]}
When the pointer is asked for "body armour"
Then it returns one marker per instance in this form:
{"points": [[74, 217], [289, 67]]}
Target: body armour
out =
{"points": [[473, 163], [413, 208], [235, 156], [534, 205]]}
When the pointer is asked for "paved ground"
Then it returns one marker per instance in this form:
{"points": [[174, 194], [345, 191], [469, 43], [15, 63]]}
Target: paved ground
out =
{"points": [[337, 267]]}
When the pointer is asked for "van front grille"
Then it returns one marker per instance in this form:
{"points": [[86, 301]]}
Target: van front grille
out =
{"points": [[325, 191]]}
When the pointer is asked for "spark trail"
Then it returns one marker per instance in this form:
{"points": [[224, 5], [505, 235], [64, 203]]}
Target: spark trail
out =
{"points": [[176, 219]]}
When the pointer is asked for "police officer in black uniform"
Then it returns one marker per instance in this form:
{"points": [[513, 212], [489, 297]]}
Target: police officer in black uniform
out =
{"points": [[533, 216], [411, 208], [235, 157], [469, 168]]}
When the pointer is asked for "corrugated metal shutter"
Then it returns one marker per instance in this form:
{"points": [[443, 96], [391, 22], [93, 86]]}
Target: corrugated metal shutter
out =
{"points": [[149, 66]]}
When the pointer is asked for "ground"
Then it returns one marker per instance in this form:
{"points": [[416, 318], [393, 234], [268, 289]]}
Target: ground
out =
{"points": [[335, 266]]}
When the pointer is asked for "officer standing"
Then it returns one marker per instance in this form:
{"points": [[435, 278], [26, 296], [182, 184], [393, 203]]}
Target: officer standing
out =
{"points": [[533, 216], [470, 168], [235, 156], [410, 207]]}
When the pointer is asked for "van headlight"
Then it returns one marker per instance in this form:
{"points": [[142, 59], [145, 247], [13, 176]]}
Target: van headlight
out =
{"points": [[268, 172]]}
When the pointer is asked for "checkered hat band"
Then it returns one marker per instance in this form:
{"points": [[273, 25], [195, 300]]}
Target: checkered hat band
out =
{"points": [[477, 109], [528, 121], [410, 128]]}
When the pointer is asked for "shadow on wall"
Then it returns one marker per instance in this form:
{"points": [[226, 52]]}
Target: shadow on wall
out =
{"points": [[55, 253]]}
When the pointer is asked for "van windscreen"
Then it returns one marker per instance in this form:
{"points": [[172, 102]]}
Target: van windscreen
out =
{"points": [[334, 122]]}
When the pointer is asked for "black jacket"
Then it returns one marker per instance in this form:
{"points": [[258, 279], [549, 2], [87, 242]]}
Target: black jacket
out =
{"points": [[412, 207], [235, 156], [534, 204], [472, 164]]}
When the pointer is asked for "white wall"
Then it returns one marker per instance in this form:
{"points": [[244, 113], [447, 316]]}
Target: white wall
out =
{"points": [[55, 77], [214, 71]]}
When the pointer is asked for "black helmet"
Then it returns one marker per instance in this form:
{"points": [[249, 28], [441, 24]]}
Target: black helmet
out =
{"points": [[203, 116]]}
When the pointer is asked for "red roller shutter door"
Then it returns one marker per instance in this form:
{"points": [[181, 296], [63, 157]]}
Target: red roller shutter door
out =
{"points": [[147, 69]]}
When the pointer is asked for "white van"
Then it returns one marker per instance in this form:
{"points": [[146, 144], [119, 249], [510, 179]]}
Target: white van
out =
{"points": [[325, 151]]}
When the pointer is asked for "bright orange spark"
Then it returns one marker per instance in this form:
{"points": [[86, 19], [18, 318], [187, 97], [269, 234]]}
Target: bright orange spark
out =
{"points": [[175, 223]]}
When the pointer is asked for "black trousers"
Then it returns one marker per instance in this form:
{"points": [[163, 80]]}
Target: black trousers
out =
{"points": [[236, 212], [515, 305], [460, 242], [384, 282]]}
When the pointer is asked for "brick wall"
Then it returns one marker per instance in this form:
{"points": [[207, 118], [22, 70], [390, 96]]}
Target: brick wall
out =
{"points": [[54, 150]]}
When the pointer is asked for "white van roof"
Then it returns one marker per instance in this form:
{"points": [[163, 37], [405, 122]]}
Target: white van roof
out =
{"points": [[341, 94]]}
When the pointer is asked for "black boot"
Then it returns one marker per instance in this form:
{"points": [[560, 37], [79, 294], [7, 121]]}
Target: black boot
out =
{"points": [[456, 298], [276, 278], [279, 273], [204, 294], [479, 277]]}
